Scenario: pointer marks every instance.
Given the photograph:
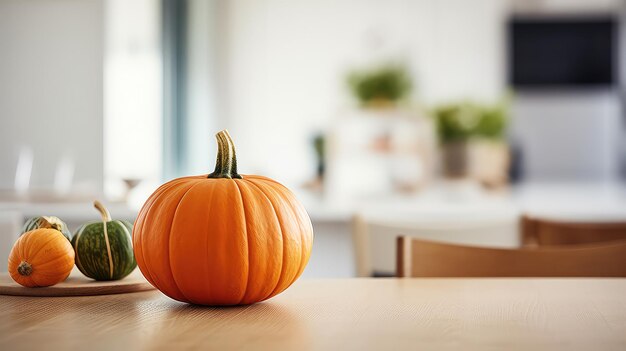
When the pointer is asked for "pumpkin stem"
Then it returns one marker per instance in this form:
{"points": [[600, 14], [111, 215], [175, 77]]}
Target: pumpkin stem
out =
{"points": [[106, 216], [24, 268], [45, 222], [226, 163]]}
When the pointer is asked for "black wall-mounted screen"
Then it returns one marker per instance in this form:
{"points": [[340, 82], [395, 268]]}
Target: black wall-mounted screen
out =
{"points": [[562, 52]]}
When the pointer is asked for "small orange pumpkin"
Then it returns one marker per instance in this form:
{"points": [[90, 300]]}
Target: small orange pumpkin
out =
{"points": [[41, 257], [222, 238]]}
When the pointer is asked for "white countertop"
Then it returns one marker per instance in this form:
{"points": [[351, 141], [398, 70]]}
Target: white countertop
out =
{"points": [[68, 211], [570, 201], [565, 201]]}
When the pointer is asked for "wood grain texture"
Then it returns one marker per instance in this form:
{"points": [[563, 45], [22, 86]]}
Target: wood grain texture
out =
{"points": [[352, 314], [77, 285]]}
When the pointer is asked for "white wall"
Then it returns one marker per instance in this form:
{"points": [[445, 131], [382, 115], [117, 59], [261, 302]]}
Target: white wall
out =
{"points": [[133, 93], [51, 88], [283, 65]]}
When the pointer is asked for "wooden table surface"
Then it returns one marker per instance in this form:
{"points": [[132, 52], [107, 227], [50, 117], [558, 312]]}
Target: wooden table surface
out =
{"points": [[350, 314]]}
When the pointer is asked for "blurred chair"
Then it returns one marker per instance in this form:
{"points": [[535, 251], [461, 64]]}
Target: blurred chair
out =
{"points": [[375, 239], [544, 232], [419, 258], [10, 224]]}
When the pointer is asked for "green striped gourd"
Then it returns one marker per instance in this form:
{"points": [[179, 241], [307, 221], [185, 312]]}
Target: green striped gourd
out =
{"points": [[49, 222], [104, 249]]}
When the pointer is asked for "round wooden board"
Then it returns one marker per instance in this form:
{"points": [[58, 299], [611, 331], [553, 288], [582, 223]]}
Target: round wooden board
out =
{"points": [[77, 285]]}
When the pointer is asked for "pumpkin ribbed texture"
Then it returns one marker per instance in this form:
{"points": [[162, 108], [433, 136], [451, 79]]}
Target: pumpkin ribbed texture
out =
{"points": [[104, 249], [41, 257], [223, 240]]}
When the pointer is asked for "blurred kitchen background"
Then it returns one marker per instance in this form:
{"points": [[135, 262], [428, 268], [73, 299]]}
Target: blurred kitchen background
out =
{"points": [[450, 119]]}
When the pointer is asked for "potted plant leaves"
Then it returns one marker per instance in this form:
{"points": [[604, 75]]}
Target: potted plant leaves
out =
{"points": [[380, 86], [472, 138]]}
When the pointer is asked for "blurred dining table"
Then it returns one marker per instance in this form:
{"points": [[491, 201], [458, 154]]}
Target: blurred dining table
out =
{"points": [[336, 314]]}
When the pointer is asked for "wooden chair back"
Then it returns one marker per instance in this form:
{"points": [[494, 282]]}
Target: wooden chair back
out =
{"points": [[420, 258], [544, 232]]}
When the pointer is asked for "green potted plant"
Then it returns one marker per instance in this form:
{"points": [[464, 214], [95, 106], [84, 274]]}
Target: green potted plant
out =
{"points": [[380, 86], [472, 137]]}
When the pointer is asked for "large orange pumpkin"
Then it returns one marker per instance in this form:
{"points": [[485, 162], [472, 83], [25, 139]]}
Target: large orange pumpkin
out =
{"points": [[222, 238], [41, 257]]}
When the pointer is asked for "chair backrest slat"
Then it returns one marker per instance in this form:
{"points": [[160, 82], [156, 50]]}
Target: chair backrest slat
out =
{"points": [[420, 258], [545, 232]]}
